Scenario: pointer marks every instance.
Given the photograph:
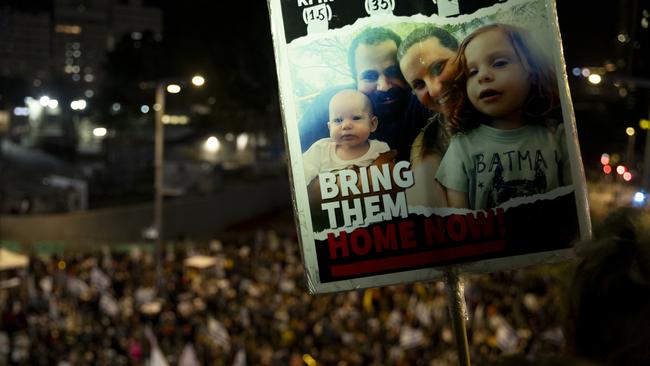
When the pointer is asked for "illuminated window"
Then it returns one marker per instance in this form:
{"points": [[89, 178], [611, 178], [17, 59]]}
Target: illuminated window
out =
{"points": [[67, 29]]}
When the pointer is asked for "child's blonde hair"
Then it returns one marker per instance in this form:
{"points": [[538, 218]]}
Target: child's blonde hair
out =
{"points": [[542, 103]]}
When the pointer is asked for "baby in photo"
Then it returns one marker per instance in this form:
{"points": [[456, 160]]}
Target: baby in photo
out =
{"points": [[351, 121]]}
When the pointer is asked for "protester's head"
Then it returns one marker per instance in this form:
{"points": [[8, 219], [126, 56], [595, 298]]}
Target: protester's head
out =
{"points": [[351, 119], [500, 75], [422, 58], [609, 309], [372, 57]]}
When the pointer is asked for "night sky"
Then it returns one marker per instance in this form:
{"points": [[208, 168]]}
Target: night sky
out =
{"points": [[231, 43], [237, 37]]}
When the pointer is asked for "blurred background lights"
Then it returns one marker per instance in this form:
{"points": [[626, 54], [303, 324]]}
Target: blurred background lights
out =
{"points": [[53, 103], [630, 131], [198, 80], [639, 198], [586, 72], [44, 100], [78, 105], [144, 108], [607, 169], [595, 79], [212, 144], [622, 92], [576, 71], [175, 119], [242, 141], [604, 159], [173, 88], [627, 176], [620, 170], [21, 111], [644, 124], [99, 132], [622, 38]]}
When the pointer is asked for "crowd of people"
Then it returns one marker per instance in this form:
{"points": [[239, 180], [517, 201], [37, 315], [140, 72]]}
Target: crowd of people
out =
{"points": [[250, 306]]}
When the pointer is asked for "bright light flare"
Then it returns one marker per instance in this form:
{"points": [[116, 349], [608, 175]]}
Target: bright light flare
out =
{"points": [[620, 169], [627, 176], [198, 80], [639, 197], [53, 103], [212, 144], [44, 100], [173, 88], [595, 79], [100, 132], [630, 131]]}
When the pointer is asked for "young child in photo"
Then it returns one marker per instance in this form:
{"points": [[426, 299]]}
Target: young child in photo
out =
{"points": [[501, 111], [351, 120]]}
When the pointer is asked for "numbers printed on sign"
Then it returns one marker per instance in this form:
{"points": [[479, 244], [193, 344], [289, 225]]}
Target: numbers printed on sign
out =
{"points": [[318, 13], [379, 6]]}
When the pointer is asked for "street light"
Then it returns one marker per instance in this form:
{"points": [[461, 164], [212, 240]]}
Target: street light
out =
{"points": [[173, 88], [630, 144], [198, 80], [159, 145]]}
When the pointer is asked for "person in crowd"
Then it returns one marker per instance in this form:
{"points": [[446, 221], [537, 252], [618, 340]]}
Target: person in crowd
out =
{"points": [[609, 295], [505, 142], [372, 59], [253, 304], [351, 121], [422, 59]]}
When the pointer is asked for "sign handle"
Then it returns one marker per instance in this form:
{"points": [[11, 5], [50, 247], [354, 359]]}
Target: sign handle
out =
{"points": [[458, 313]]}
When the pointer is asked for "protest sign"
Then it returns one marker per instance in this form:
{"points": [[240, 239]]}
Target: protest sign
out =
{"points": [[426, 134]]}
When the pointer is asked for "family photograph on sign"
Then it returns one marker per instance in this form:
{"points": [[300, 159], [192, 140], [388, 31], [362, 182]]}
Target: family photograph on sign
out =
{"points": [[423, 142]]}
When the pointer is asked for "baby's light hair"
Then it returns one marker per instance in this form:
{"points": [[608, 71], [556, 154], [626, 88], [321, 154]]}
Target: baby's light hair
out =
{"points": [[367, 102], [542, 103]]}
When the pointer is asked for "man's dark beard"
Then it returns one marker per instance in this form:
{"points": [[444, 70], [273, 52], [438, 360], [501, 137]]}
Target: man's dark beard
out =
{"points": [[389, 105]]}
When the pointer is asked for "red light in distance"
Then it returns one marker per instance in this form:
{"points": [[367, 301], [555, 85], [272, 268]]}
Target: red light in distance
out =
{"points": [[607, 169]]}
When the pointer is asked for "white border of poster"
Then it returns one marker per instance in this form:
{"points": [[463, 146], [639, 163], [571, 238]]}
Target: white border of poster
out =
{"points": [[311, 38]]}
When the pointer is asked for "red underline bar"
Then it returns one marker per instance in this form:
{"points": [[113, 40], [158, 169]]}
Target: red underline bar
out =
{"points": [[417, 259]]}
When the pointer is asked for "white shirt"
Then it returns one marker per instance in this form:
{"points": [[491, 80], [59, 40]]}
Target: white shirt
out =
{"points": [[321, 157]]}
